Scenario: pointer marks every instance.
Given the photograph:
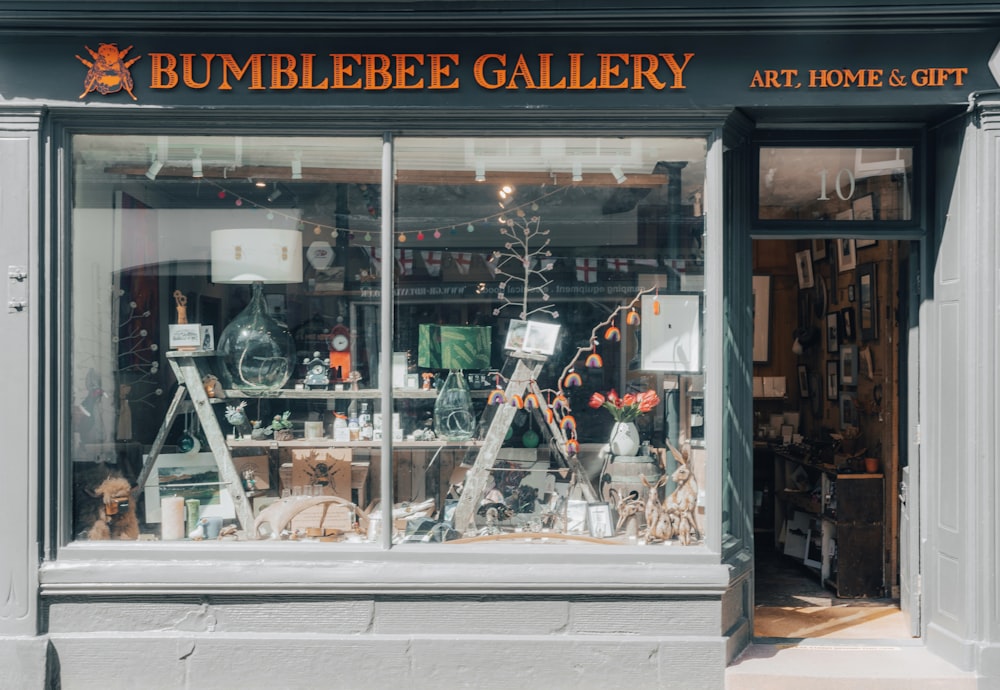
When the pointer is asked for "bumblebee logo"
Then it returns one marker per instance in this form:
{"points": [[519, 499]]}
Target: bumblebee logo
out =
{"points": [[109, 72]]}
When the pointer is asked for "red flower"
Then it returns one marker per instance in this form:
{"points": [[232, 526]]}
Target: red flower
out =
{"points": [[627, 408], [596, 400]]}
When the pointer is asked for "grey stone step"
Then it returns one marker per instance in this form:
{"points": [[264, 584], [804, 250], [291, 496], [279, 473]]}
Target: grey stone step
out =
{"points": [[848, 666]]}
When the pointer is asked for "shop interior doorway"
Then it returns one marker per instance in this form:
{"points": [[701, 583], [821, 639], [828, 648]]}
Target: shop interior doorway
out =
{"points": [[828, 405]]}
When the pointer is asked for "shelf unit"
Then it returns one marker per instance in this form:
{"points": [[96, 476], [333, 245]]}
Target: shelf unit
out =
{"points": [[832, 521]]}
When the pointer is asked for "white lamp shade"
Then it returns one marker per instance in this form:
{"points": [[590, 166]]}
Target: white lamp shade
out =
{"points": [[252, 255]]}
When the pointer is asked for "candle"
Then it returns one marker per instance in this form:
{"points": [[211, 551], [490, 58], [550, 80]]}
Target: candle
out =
{"points": [[172, 516]]}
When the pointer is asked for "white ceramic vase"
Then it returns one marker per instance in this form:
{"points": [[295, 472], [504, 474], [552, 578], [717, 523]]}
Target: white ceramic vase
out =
{"points": [[624, 439]]}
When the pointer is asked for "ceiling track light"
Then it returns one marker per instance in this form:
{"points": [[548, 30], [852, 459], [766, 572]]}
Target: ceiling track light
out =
{"points": [[196, 169], [275, 193], [578, 171], [619, 174], [296, 168], [154, 169], [480, 172]]}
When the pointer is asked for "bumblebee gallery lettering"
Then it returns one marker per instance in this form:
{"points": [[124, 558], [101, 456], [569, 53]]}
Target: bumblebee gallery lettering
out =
{"points": [[418, 71]]}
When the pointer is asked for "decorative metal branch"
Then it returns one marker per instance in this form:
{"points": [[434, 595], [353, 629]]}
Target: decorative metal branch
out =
{"points": [[519, 251]]}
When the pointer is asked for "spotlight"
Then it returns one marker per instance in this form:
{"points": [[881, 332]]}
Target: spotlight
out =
{"points": [[480, 172], [578, 172], [154, 169], [619, 174], [273, 196], [296, 168], [196, 171]]}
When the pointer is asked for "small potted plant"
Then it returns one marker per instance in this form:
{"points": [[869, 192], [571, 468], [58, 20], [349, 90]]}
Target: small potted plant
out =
{"points": [[281, 426]]}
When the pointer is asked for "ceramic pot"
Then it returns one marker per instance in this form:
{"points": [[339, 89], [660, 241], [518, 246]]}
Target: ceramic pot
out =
{"points": [[624, 439], [871, 465]]}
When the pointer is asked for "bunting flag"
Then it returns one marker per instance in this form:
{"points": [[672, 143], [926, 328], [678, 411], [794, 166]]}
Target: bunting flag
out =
{"points": [[679, 265], [620, 265], [491, 266], [404, 257], [463, 261], [586, 270], [432, 262], [375, 256]]}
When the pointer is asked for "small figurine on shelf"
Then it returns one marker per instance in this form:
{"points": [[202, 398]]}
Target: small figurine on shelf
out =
{"points": [[428, 380], [354, 378], [281, 426], [236, 416], [259, 433], [317, 371], [213, 388]]}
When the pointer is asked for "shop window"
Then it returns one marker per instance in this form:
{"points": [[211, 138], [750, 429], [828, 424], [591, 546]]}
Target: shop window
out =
{"points": [[228, 367]]}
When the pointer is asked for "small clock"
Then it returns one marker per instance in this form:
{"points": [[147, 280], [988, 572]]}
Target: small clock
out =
{"points": [[340, 352], [317, 372]]}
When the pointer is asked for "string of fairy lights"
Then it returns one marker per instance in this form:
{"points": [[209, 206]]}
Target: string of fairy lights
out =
{"points": [[402, 236]]}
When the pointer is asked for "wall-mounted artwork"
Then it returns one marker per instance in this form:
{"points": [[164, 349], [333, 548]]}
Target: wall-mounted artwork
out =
{"points": [[671, 339], [867, 303]]}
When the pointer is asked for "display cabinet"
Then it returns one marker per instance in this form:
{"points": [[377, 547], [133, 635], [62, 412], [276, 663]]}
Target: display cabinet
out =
{"points": [[831, 520]]}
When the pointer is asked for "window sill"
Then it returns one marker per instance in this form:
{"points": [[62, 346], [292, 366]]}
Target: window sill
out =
{"points": [[162, 568]]}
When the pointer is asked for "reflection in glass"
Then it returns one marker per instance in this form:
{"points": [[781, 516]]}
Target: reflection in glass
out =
{"points": [[835, 184]]}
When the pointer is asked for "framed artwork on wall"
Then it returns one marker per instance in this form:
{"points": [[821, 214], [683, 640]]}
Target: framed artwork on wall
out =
{"points": [[803, 381], [832, 379], [867, 302], [848, 410], [848, 327], [847, 257], [849, 365], [865, 208], [804, 266], [833, 331]]}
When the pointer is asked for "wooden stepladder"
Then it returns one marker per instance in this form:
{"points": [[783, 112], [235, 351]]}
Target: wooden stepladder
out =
{"points": [[189, 374], [520, 382]]}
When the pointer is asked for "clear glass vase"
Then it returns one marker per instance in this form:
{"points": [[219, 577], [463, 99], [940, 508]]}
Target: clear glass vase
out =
{"points": [[454, 418], [256, 351]]}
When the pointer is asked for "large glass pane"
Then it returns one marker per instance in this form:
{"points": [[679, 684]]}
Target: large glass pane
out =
{"points": [[538, 273], [185, 248], [864, 184], [227, 313]]}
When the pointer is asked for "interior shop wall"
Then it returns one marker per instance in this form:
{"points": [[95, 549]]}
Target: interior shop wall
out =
{"points": [[871, 402]]}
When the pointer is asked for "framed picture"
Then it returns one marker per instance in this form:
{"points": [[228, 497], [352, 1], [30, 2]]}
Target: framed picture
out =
{"points": [[865, 208], [599, 520], [189, 475], [671, 336], [832, 379], [803, 381], [761, 318], [867, 303], [848, 327], [849, 365], [866, 365], [818, 249], [833, 331], [861, 244], [847, 257], [804, 265], [848, 410]]}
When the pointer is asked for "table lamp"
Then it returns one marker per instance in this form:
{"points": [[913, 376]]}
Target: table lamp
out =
{"points": [[256, 352]]}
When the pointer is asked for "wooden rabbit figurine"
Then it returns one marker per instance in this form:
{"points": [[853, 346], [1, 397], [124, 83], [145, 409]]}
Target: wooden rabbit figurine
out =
{"points": [[681, 503], [658, 526]]}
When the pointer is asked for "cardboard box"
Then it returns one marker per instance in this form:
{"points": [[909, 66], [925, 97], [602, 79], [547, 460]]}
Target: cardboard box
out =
{"points": [[255, 471]]}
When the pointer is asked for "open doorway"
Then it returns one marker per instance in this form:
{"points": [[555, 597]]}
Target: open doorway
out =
{"points": [[828, 408]]}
